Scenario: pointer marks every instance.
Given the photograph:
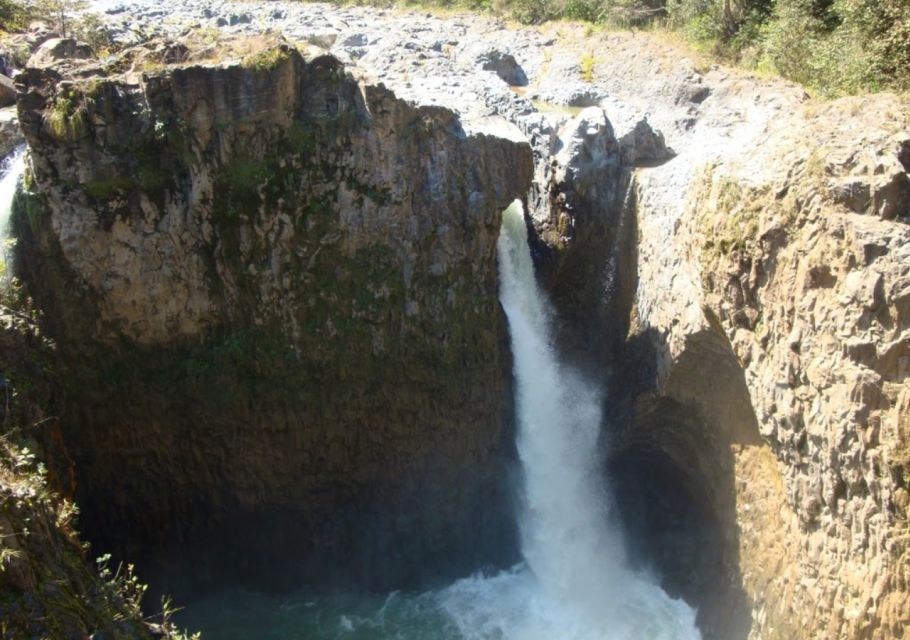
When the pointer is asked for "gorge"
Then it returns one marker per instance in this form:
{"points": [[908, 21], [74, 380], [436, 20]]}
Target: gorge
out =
{"points": [[294, 381]]}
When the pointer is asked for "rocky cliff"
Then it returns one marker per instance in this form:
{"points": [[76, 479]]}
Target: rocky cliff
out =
{"points": [[766, 361], [273, 286], [48, 585], [798, 267]]}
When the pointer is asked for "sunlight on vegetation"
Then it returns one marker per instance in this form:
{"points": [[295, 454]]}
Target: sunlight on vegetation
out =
{"points": [[587, 67], [834, 47], [265, 60], [65, 120]]}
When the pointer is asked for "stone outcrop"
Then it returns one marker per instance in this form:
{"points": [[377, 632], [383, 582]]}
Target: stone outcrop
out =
{"points": [[10, 136], [273, 286], [783, 329]]}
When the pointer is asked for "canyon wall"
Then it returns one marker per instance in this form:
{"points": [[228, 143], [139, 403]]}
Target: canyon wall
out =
{"points": [[744, 304], [756, 424], [273, 289], [775, 307]]}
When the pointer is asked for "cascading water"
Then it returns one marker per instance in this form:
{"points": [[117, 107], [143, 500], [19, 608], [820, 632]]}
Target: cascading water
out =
{"points": [[574, 584], [12, 169]]}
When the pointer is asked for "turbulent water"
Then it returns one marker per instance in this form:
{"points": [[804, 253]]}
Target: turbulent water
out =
{"points": [[10, 172], [574, 583]]}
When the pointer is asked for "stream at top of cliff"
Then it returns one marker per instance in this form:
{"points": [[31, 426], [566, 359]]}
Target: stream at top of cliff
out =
{"points": [[574, 583]]}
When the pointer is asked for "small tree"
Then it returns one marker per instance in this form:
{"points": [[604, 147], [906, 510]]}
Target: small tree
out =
{"points": [[57, 12]]}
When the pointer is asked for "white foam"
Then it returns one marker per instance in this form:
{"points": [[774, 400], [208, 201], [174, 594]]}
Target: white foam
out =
{"points": [[575, 583]]}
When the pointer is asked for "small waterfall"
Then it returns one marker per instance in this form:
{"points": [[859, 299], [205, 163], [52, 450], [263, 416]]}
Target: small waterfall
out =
{"points": [[10, 172], [575, 583]]}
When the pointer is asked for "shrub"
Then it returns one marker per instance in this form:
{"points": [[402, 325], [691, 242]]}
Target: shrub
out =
{"points": [[13, 16], [90, 29], [265, 60], [66, 120], [587, 67]]}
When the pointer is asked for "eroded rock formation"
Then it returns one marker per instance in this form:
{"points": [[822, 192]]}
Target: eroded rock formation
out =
{"points": [[801, 291], [274, 289]]}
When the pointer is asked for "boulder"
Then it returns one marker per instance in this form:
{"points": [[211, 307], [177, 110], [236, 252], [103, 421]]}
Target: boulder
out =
{"points": [[645, 145], [503, 65], [57, 49]]}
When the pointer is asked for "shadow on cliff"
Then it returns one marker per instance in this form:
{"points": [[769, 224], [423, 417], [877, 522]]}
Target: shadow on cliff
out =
{"points": [[671, 460], [334, 404], [671, 427]]}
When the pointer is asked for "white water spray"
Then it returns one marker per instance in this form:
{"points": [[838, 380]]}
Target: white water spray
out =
{"points": [[575, 584], [10, 173]]}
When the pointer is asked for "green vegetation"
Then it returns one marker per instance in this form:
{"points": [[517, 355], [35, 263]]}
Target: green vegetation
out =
{"points": [[834, 47], [587, 67], [55, 12], [14, 16], [104, 189], [48, 586], [66, 120], [61, 16], [265, 60], [48, 589], [735, 228]]}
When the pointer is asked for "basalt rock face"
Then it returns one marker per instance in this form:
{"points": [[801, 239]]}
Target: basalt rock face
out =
{"points": [[274, 290], [774, 310], [580, 210], [742, 303]]}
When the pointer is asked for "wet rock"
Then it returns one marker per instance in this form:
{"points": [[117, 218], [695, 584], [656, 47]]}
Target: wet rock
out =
{"points": [[10, 135]]}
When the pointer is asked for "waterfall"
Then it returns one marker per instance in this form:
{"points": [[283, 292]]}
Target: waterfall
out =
{"points": [[11, 171], [575, 583]]}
